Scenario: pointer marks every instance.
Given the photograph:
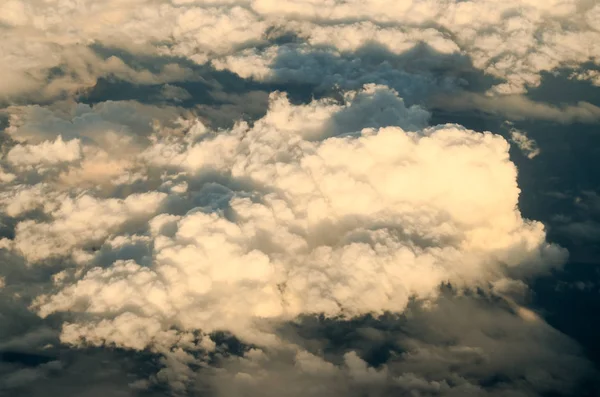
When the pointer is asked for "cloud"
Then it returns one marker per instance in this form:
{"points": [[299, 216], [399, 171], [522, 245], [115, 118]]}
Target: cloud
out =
{"points": [[527, 145], [582, 225], [327, 69], [593, 76], [175, 93], [46, 153], [89, 146], [517, 107], [75, 222], [514, 42], [340, 208], [291, 224], [444, 350], [101, 123]]}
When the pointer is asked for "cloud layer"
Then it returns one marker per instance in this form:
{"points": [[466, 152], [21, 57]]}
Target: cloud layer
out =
{"points": [[248, 197], [514, 41], [340, 209]]}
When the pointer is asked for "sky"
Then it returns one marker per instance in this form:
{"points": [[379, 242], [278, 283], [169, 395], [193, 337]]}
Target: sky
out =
{"points": [[243, 198]]}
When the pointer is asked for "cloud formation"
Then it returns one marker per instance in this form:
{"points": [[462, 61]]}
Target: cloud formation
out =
{"points": [[269, 211], [514, 41], [341, 209], [518, 107]]}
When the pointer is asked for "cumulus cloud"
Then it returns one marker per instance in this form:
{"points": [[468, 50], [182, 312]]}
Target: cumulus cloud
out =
{"points": [[101, 123], [593, 76], [294, 191], [85, 146], [514, 41], [46, 153], [336, 208], [78, 222]]}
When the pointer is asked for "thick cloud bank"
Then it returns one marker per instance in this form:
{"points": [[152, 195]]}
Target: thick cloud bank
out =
{"points": [[336, 209], [352, 224], [244, 198], [514, 41]]}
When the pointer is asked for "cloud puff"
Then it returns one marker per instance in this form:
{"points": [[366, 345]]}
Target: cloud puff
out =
{"points": [[334, 208], [527, 145], [87, 146], [101, 123], [74, 222], [46, 153]]}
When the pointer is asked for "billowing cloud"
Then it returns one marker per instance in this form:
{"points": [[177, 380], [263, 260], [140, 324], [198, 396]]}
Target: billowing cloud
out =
{"points": [[248, 197], [46, 153], [342, 209], [514, 41]]}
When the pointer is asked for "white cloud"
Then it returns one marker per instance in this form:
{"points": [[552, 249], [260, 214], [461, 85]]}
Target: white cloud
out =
{"points": [[591, 17], [344, 213], [527, 145], [144, 228], [351, 37], [45, 153], [74, 222], [20, 199], [87, 147], [6, 177], [110, 125], [593, 76], [515, 40]]}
